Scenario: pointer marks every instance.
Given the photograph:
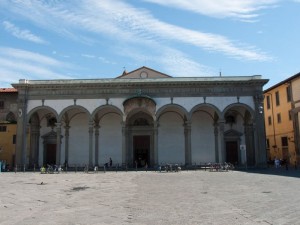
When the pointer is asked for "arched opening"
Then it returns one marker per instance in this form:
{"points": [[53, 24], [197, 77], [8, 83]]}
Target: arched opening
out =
{"points": [[239, 135], [140, 138]]}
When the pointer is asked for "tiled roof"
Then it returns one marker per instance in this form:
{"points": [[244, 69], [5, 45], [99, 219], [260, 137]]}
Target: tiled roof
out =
{"points": [[6, 90]]}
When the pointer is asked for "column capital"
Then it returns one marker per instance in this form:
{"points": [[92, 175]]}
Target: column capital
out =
{"points": [[58, 124]]}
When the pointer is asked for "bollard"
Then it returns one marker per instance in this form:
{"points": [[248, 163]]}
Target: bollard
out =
{"points": [[24, 168], [33, 167]]}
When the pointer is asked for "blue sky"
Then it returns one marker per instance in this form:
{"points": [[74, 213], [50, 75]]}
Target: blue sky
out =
{"points": [[62, 39]]}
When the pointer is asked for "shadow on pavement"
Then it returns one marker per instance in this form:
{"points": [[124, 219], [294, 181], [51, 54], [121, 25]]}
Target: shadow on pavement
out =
{"points": [[281, 171]]}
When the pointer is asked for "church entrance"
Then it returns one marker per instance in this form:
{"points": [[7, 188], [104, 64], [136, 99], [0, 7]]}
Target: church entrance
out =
{"points": [[141, 150], [50, 154], [232, 152]]}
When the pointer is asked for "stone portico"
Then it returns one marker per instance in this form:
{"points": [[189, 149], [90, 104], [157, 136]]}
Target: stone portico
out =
{"points": [[143, 117]]}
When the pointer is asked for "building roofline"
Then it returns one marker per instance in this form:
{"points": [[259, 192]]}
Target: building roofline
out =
{"points": [[283, 82], [143, 67]]}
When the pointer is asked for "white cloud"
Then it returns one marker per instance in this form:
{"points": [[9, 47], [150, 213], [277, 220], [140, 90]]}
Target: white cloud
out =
{"points": [[244, 10], [174, 62], [88, 56], [22, 34], [18, 64], [122, 21]]}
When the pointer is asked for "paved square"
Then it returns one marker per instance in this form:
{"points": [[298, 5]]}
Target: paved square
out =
{"points": [[187, 197]]}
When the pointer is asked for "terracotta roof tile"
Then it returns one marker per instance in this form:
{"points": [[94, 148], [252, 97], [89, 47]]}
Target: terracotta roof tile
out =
{"points": [[8, 90]]}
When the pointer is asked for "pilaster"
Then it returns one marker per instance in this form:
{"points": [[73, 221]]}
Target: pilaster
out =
{"points": [[91, 131], [97, 127], [260, 137], [216, 133], [67, 134], [155, 142], [221, 125], [187, 139], [58, 143]]}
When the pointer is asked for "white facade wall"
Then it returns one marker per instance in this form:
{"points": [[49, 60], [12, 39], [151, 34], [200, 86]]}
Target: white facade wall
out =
{"points": [[110, 139], [186, 102], [171, 142], [202, 138], [79, 140], [90, 104], [44, 130]]}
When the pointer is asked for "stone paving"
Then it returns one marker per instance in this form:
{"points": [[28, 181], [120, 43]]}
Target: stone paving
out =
{"points": [[266, 196]]}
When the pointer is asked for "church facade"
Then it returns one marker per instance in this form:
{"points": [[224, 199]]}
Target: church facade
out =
{"points": [[142, 117]]}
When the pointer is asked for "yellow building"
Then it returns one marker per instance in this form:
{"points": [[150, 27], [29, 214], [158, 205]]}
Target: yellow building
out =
{"points": [[8, 143], [279, 121], [8, 125]]}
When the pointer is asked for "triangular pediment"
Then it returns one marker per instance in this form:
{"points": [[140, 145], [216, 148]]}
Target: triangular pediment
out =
{"points": [[142, 73], [50, 135], [232, 133]]}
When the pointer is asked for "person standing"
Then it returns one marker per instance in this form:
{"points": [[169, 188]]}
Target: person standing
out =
{"points": [[110, 162]]}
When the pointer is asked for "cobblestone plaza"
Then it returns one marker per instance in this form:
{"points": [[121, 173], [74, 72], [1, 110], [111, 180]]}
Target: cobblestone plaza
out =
{"points": [[188, 197]]}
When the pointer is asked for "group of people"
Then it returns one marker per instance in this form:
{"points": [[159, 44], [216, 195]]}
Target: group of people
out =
{"points": [[276, 163], [108, 164], [4, 166]]}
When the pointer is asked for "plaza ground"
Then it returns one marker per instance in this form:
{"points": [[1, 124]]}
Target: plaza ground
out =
{"points": [[265, 196]]}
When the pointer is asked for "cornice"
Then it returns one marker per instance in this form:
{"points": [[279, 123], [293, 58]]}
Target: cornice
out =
{"points": [[125, 88]]}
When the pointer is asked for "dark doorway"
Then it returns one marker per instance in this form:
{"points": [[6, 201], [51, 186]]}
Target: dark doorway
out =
{"points": [[141, 150], [50, 154], [232, 152]]}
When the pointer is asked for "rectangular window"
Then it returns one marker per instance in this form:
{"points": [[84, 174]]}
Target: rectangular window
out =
{"points": [[14, 139], [2, 128], [1, 104], [284, 141], [269, 120], [277, 98], [268, 102], [278, 118], [288, 93], [290, 115]]}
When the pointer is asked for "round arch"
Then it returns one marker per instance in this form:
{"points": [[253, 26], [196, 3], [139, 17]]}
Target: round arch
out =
{"points": [[36, 109], [138, 111], [174, 108], [73, 107], [106, 108], [204, 105], [247, 107]]}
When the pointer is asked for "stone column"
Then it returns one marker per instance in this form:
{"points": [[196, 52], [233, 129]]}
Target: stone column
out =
{"points": [[91, 130], [97, 127], [249, 141], [124, 153], [58, 143], [67, 134], [34, 144], [222, 156], [21, 144], [187, 141], [260, 138], [155, 142], [216, 132]]}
